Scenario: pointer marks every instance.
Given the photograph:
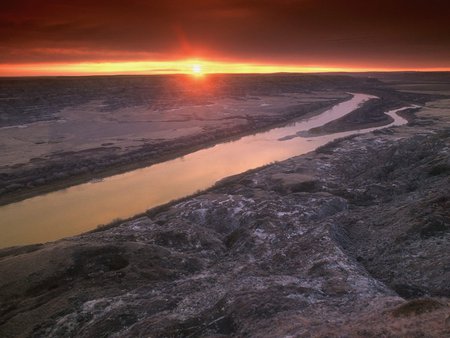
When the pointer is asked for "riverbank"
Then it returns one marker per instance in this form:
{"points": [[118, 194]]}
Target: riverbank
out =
{"points": [[317, 245], [64, 131], [373, 113], [17, 186], [72, 168], [123, 196]]}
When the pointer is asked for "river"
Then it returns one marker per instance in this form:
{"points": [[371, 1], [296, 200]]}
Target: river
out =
{"points": [[83, 207]]}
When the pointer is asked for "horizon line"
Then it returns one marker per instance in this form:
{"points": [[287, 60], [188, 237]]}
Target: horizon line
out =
{"points": [[432, 70], [187, 67]]}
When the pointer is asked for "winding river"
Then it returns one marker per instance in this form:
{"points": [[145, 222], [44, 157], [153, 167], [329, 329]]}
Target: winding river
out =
{"points": [[83, 207]]}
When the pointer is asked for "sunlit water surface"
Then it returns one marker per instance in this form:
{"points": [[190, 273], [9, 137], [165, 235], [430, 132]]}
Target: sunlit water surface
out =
{"points": [[83, 207]]}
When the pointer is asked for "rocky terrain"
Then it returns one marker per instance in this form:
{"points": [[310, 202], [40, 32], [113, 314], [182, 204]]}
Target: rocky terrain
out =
{"points": [[352, 240]]}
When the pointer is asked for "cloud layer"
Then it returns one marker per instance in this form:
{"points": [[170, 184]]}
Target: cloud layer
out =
{"points": [[311, 32]]}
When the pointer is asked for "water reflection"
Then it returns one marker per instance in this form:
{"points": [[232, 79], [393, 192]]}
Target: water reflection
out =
{"points": [[81, 208]]}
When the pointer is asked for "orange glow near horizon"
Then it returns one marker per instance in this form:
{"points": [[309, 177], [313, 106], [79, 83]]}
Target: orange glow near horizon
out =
{"points": [[191, 66]]}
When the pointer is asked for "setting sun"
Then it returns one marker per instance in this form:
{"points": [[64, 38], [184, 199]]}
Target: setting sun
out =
{"points": [[197, 69]]}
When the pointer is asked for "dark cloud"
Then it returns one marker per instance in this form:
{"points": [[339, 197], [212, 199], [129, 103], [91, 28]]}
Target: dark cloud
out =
{"points": [[401, 33]]}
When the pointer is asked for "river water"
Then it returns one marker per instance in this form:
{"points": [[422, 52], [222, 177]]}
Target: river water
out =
{"points": [[83, 207]]}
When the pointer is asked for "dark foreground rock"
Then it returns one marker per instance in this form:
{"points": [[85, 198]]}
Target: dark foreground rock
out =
{"points": [[349, 241]]}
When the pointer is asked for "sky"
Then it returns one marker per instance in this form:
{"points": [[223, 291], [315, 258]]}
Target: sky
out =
{"points": [[54, 37]]}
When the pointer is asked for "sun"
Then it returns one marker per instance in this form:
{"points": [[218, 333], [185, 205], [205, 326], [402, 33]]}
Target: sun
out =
{"points": [[197, 69]]}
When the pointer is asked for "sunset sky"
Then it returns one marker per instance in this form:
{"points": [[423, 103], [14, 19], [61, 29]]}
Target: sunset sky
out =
{"points": [[78, 37]]}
